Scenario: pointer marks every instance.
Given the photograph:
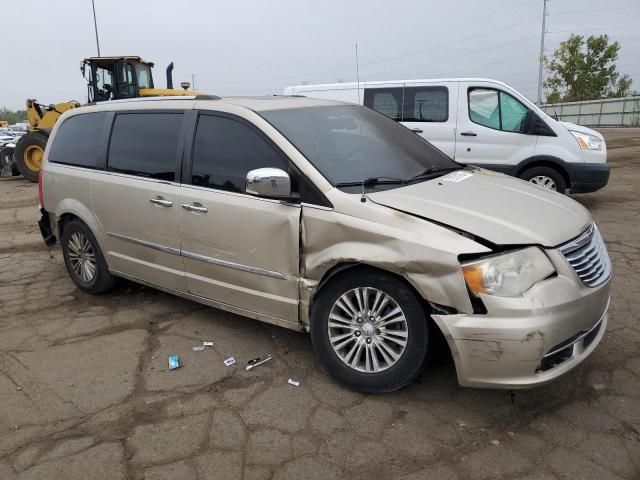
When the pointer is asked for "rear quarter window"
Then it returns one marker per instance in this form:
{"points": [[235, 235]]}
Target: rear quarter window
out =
{"points": [[77, 141]]}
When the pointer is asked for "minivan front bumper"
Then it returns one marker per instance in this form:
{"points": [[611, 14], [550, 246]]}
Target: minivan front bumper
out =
{"points": [[530, 340]]}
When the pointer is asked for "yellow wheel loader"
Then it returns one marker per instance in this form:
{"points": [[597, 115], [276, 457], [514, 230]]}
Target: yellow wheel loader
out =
{"points": [[108, 78]]}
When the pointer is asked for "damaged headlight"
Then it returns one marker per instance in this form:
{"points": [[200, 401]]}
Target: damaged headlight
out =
{"points": [[509, 274]]}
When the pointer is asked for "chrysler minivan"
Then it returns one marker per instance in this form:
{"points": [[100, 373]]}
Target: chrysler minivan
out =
{"points": [[484, 122], [329, 218]]}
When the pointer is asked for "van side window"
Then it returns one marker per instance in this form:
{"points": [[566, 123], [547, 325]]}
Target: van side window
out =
{"points": [[77, 140], [496, 109], [145, 144], [225, 150], [426, 104], [387, 101]]}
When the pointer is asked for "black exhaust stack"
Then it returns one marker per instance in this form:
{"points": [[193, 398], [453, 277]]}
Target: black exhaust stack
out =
{"points": [[170, 75]]}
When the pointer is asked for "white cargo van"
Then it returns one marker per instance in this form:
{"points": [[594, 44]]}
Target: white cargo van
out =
{"points": [[486, 123]]}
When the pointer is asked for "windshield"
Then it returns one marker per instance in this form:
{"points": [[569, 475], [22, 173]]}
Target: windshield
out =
{"points": [[348, 144]]}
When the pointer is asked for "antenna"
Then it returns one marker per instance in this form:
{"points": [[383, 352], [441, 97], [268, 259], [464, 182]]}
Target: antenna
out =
{"points": [[364, 197], [95, 25]]}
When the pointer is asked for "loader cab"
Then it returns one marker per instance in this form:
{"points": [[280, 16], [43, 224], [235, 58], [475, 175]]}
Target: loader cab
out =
{"points": [[114, 78]]}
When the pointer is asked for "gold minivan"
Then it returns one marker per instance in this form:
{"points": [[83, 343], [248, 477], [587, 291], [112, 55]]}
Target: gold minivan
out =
{"points": [[333, 219]]}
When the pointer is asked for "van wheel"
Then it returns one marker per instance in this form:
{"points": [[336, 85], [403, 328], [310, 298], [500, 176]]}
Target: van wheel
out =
{"points": [[545, 177], [369, 331], [84, 260]]}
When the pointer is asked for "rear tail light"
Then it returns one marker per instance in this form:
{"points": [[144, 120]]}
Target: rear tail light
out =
{"points": [[40, 196]]}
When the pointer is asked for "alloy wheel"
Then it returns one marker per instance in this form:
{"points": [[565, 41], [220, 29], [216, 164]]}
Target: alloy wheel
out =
{"points": [[82, 257], [368, 330], [544, 181]]}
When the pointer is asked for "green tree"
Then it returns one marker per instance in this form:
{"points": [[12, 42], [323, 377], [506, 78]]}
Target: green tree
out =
{"points": [[585, 70], [11, 116]]}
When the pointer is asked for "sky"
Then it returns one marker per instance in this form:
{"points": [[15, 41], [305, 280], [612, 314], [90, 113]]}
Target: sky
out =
{"points": [[256, 47]]}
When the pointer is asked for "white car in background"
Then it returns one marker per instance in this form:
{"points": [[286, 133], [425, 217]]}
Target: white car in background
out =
{"points": [[486, 123]]}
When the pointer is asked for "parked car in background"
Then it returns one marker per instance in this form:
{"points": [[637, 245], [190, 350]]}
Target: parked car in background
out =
{"points": [[487, 123], [329, 217]]}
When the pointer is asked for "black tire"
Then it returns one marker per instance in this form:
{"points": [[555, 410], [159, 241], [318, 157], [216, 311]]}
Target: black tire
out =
{"points": [[102, 280], [31, 139], [548, 172], [412, 360]]}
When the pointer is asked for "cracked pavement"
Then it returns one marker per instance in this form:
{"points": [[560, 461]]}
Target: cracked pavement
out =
{"points": [[85, 390]]}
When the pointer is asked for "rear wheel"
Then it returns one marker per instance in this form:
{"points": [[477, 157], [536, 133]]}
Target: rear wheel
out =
{"points": [[369, 331], [29, 154], [84, 260], [545, 177]]}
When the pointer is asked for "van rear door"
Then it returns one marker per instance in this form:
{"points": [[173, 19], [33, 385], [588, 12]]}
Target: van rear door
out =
{"points": [[430, 111]]}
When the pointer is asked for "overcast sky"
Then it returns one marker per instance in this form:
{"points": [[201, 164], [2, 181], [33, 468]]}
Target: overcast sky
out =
{"points": [[259, 46]]}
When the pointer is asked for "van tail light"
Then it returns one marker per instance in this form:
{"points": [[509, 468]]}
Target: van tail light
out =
{"points": [[40, 196]]}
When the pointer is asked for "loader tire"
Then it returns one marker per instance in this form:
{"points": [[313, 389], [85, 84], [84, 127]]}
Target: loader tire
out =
{"points": [[29, 154]]}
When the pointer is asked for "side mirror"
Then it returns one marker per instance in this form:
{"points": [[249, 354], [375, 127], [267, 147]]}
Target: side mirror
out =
{"points": [[268, 182], [531, 123]]}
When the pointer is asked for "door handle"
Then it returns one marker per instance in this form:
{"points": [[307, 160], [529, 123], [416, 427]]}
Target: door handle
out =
{"points": [[468, 134], [416, 130], [161, 202], [195, 207]]}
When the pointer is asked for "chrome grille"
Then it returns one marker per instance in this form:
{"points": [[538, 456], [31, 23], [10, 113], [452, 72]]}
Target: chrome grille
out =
{"points": [[588, 256]]}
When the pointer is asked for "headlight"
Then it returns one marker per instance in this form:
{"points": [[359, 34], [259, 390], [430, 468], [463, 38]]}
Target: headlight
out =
{"points": [[586, 141], [507, 275]]}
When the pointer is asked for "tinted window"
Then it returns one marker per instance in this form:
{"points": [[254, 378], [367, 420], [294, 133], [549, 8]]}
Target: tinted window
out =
{"points": [[78, 140], [496, 109], [349, 143], [512, 113], [145, 144], [426, 104], [225, 150], [387, 101]]}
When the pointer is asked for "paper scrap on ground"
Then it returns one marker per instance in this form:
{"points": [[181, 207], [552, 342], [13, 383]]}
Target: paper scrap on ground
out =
{"points": [[207, 344], [198, 348], [293, 382], [174, 362], [229, 361]]}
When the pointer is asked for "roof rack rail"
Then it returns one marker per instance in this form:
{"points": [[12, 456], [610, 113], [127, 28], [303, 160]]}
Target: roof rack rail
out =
{"points": [[207, 97]]}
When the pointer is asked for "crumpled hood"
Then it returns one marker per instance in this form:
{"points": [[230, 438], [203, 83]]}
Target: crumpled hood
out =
{"points": [[579, 128], [493, 206]]}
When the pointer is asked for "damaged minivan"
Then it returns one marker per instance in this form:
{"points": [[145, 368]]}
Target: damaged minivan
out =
{"points": [[332, 219]]}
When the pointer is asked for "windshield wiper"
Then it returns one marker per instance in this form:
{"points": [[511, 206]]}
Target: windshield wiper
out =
{"points": [[432, 172], [372, 181]]}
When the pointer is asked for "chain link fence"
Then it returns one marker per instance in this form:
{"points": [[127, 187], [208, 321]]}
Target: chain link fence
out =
{"points": [[609, 112]]}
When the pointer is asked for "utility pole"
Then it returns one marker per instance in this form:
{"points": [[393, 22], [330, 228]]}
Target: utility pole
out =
{"points": [[541, 67], [193, 81], [95, 25]]}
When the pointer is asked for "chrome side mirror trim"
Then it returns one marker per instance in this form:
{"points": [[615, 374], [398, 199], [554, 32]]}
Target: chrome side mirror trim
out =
{"points": [[268, 182]]}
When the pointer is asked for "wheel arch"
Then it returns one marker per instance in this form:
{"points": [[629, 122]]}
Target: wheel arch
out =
{"points": [[548, 161]]}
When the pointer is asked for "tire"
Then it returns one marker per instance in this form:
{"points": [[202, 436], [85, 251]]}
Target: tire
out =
{"points": [[29, 154], [362, 375], [545, 177], [73, 246]]}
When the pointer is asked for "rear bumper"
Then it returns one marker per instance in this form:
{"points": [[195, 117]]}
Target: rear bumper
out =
{"points": [[588, 177], [531, 340], [44, 224]]}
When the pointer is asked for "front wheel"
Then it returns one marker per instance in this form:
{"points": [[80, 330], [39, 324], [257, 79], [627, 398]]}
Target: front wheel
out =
{"points": [[370, 331], [545, 177]]}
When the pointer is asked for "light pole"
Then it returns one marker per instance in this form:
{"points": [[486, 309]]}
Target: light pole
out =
{"points": [[95, 25], [541, 66]]}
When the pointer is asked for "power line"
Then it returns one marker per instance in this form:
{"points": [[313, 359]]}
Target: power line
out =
{"points": [[449, 58], [594, 10], [592, 29]]}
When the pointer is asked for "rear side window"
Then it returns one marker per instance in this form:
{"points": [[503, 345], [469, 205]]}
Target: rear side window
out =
{"points": [[77, 141], [145, 144], [426, 104], [225, 150], [387, 101]]}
